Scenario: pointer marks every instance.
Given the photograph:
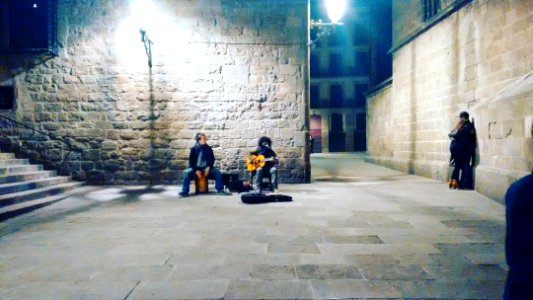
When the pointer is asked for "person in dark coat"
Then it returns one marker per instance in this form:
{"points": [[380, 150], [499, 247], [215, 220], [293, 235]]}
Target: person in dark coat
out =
{"points": [[519, 239], [201, 161], [462, 150], [271, 160]]}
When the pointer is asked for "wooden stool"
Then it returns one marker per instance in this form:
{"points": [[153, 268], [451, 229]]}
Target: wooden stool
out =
{"points": [[200, 183]]}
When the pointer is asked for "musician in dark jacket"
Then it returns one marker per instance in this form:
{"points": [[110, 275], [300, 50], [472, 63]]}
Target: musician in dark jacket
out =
{"points": [[462, 150], [271, 160], [201, 161]]}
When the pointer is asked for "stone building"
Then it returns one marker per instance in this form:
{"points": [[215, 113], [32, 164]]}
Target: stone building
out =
{"points": [[131, 82], [346, 61], [450, 56]]}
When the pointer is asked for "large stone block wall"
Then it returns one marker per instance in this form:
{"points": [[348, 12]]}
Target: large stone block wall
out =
{"points": [[479, 59], [235, 70], [378, 121]]}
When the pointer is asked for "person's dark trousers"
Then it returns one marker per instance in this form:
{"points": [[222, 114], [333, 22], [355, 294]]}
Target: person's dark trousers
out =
{"points": [[460, 161], [188, 176], [467, 177], [272, 172]]}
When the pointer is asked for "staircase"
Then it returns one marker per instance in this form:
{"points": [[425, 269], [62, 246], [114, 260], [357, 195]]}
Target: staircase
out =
{"points": [[25, 187]]}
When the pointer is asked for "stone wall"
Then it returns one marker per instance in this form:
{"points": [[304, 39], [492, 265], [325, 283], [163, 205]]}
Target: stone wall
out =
{"points": [[406, 19], [235, 70], [478, 59], [378, 123]]}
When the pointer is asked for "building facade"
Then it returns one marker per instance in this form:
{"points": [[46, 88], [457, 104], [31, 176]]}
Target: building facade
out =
{"points": [[131, 84], [453, 56], [346, 61]]}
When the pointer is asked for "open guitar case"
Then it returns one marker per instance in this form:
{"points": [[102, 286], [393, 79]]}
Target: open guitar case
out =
{"points": [[258, 198]]}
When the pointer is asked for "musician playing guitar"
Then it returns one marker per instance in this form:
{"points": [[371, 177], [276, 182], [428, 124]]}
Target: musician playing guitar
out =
{"points": [[264, 162]]}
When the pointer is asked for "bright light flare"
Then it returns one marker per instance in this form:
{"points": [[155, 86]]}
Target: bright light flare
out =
{"points": [[335, 9], [166, 36], [144, 14]]}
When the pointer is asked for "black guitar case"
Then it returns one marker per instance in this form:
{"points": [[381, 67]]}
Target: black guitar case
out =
{"points": [[256, 198]]}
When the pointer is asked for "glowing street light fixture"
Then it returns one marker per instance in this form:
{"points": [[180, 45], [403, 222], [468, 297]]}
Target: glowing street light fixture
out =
{"points": [[335, 9]]}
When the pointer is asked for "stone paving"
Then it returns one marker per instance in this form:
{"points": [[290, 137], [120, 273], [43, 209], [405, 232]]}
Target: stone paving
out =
{"points": [[358, 231]]}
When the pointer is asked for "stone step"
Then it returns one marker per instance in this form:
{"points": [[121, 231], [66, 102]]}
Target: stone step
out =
{"points": [[19, 197], [16, 169], [11, 162], [21, 186], [7, 156], [26, 176], [14, 210]]}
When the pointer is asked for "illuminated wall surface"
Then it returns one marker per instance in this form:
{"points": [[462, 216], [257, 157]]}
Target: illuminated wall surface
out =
{"points": [[233, 69]]}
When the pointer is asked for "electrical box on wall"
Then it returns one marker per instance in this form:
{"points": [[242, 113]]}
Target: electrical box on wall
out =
{"points": [[7, 97]]}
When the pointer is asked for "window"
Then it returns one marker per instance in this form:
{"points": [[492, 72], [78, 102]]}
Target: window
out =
{"points": [[335, 64], [360, 122], [336, 123], [314, 65], [315, 96], [28, 25], [361, 63], [430, 8], [360, 34], [7, 97], [336, 95], [334, 40], [360, 99]]}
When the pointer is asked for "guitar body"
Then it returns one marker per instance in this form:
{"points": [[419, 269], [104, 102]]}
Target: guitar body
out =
{"points": [[256, 161]]}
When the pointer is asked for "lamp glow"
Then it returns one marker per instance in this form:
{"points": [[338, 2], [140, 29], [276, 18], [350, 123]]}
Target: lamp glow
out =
{"points": [[144, 13], [335, 9]]}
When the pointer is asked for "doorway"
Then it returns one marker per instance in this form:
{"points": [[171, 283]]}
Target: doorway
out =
{"points": [[316, 133]]}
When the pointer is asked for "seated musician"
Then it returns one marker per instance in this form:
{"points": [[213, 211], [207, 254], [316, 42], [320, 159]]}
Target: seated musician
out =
{"points": [[201, 161], [268, 161]]}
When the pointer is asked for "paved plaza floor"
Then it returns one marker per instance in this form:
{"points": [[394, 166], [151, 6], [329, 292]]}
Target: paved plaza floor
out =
{"points": [[357, 231]]}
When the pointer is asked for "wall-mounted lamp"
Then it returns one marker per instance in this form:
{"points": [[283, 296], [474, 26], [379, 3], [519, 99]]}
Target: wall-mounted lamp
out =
{"points": [[336, 9], [147, 46]]}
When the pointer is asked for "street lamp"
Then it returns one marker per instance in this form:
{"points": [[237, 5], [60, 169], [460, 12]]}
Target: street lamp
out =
{"points": [[147, 46], [144, 13], [335, 9]]}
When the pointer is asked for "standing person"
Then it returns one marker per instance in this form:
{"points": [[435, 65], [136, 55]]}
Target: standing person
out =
{"points": [[519, 240], [462, 147], [270, 159], [311, 143], [201, 161]]}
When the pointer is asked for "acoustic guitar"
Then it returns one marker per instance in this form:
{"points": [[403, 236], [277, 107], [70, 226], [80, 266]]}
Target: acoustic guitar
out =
{"points": [[257, 161]]}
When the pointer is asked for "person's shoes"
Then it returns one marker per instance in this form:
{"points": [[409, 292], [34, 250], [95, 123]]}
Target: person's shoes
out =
{"points": [[183, 195], [455, 184], [223, 193], [450, 183]]}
